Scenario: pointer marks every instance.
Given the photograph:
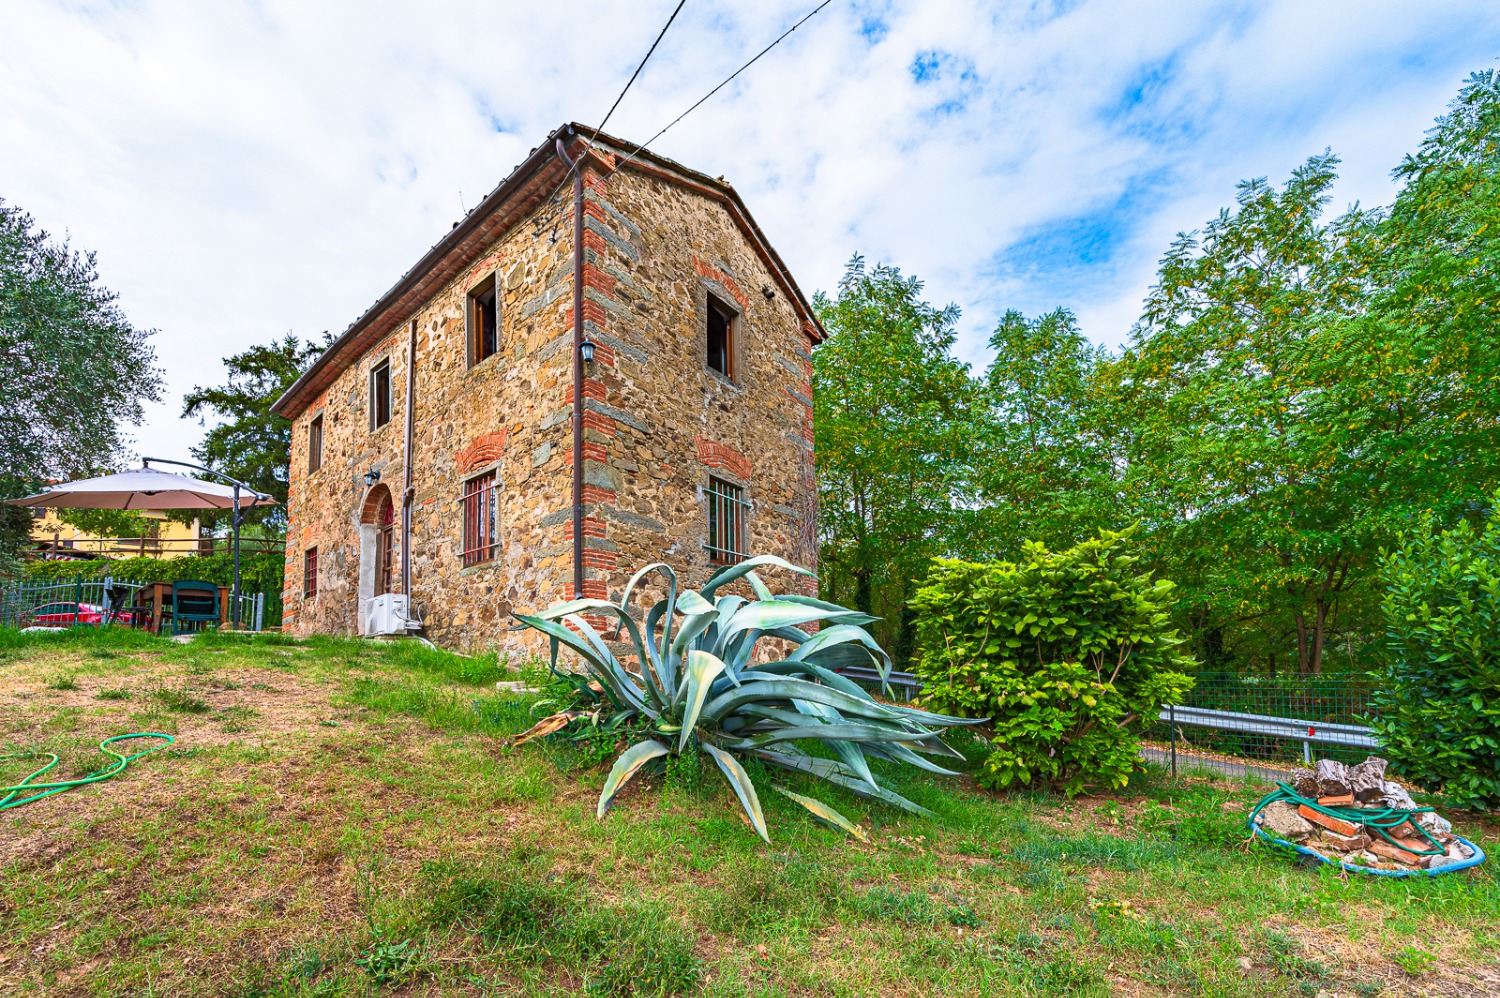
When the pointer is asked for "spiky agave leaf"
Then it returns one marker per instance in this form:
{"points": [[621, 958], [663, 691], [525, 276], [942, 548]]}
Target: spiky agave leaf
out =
{"points": [[824, 813], [625, 767], [698, 678], [726, 575], [838, 774], [794, 689], [739, 780], [608, 670]]}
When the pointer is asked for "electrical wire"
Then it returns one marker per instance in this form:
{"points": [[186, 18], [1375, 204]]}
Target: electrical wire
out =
{"points": [[642, 66], [639, 148]]}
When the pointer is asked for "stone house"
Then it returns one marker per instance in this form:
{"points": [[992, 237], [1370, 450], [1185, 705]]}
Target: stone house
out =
{"points": [[435, 442]]}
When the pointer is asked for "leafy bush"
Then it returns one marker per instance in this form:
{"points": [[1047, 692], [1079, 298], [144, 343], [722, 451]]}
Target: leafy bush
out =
{"points": [[1438, 701], [700, 690], [1070, 653]]}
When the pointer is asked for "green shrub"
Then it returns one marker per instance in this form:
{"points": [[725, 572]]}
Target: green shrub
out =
{"points": [[1438, 699], [1070, 653]]}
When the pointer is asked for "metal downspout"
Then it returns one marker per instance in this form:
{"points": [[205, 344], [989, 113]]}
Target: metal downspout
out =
{"points": [[577, 371], [408, 493]]}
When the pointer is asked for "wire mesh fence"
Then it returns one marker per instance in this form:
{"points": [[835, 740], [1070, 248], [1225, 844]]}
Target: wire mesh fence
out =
{"points": [[94, 602], [1256, 725]]}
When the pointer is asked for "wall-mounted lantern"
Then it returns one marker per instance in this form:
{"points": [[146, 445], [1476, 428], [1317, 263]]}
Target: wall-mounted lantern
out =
{"points": [[371, 477]]}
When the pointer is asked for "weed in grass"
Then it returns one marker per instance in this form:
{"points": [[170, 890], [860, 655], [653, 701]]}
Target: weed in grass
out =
{"points": [[62, 681], [179, 700], [1415, 962], [886, 905], [237, 718], [103, 654], [390, 962], [1286, 957], [767, 891], [113, 694]]}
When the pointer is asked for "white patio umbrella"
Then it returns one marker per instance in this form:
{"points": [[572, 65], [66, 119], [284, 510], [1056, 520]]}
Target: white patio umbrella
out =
{"points": [[143, 488], [151, 489]]}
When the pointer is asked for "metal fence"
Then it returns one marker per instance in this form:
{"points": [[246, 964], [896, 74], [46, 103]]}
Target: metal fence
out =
{"points": [[77, 603], [1257, 725]]}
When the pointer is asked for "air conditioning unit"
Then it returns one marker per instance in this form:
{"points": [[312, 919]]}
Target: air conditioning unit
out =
{"points": [[390, 613]]}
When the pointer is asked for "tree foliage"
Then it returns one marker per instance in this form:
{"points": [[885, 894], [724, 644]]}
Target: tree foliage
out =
{"points": [[893, 422], [250, 442], [74, 372]]}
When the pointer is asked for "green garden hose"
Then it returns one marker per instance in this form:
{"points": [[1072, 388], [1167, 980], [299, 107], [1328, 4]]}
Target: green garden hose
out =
{"points": [[48, 789], [1380, 819]]}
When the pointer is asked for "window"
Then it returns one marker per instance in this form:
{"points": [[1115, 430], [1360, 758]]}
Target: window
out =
{"points": [[380, 394], [726, 522], [721, 319], [481, 510], [315, 444], [484, 325], [310, 573], [39, 512]]}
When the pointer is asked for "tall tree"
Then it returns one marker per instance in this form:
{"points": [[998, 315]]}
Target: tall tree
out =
{"points": [[250, 442], [1048, 470], [893, 417], [73, 371]]}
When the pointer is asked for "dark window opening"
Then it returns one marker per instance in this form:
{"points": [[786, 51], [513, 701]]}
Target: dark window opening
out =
{"points": [[481, 512], [310, 573], [727, 510], [380, 394], [720, 337], [484, 321], [39, 512], [315, 444]]}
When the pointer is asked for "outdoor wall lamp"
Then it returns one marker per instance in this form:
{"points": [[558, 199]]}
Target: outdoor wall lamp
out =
{"points": [[371, 477], [586, 353]]}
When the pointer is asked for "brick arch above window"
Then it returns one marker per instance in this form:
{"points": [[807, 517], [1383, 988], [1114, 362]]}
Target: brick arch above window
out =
{"points": [[379, 508], [487, 448], [724, 458]]}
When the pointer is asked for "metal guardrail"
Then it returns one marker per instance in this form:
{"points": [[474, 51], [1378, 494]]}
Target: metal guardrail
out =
{"points": [[1309, 733]]}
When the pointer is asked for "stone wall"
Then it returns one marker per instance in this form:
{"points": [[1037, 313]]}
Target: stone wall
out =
{"points": [[657, 421]]}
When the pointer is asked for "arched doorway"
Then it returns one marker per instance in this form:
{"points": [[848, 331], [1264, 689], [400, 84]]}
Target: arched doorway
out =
{"points": [[377, 546]]}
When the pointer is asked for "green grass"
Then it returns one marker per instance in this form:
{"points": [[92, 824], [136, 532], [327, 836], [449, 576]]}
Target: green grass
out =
{"points": [[345, 818]]}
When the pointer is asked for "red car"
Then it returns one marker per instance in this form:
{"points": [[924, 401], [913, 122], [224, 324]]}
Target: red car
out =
{"points": [[70, 613]]}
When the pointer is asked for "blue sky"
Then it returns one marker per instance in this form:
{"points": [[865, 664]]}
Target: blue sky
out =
{"points": [[245, 169]]}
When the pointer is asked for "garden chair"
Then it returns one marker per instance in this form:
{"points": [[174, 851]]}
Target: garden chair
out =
{"points": [[194, 603]]}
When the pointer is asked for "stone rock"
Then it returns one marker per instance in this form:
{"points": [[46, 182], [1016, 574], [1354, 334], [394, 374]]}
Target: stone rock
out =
{"points": [[1435, 823], [1457, 853], [1332, 778], [1367, 779], [1281, 820], [1395, 795]]}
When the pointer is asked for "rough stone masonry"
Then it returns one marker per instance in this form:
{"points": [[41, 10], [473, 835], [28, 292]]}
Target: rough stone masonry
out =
{"points": [[662, 246]]}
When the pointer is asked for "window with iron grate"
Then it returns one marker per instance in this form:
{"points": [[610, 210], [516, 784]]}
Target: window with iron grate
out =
{"points": [[310, 573], [727, 513], [481, 513]]}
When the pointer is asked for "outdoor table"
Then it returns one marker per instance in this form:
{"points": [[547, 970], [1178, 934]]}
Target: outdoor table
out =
{"points": [[157, 596]]}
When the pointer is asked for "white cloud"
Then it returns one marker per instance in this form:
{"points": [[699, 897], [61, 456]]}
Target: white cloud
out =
{"points": [[247, 169]]}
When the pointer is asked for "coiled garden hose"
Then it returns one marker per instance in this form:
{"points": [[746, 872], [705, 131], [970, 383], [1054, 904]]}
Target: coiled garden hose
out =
{"points": [[1380, 819], [13, 793]]}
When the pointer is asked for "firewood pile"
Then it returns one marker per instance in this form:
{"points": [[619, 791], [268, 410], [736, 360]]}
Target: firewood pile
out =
{"points": [[1353, 815]]}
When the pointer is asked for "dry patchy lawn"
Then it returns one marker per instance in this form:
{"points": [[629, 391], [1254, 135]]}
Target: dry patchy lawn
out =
{"points": [[343, 818]]}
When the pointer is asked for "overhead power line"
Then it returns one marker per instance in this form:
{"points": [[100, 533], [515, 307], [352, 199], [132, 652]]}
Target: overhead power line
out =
{"points": [[642, 66], [721, 86]]}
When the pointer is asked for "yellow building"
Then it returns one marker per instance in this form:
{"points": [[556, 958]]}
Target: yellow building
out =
{"points": [[52, 538]]}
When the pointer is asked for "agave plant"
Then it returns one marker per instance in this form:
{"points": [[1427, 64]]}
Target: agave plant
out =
{"points": [[700, 689]]}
